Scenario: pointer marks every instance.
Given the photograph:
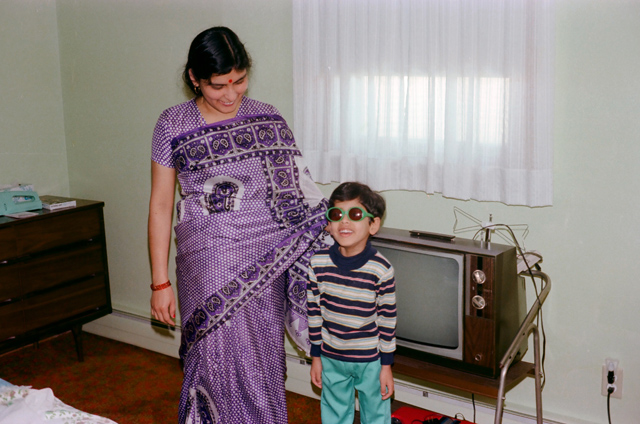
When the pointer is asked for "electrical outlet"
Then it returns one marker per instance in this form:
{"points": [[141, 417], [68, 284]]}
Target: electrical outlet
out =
{"points": [[612, 365]]}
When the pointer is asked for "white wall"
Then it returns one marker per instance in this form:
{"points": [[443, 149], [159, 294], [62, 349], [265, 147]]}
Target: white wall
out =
{"points": [[119, 64], [32, 142]]}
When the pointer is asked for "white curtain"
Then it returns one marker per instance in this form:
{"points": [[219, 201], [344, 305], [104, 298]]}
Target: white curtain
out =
{"points": [[446, 96]]}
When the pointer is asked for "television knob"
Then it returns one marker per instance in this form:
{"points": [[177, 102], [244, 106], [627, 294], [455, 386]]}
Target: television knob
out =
{"points": [[479, 276], [478, 302]]}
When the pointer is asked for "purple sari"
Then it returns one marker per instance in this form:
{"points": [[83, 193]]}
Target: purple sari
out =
{"points": [[249, 219]]}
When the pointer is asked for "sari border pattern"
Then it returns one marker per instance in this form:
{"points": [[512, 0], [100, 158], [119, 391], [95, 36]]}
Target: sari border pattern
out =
{"points": [[268, 138], [228, 141], [221, 306]]}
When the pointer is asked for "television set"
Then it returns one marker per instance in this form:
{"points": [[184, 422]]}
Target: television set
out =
{"points": [[460, 302]]}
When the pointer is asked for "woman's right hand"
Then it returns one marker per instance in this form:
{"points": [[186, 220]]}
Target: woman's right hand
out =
{"points": [[163, 306]]}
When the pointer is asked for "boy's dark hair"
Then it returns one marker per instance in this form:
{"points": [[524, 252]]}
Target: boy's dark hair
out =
{"points": [[372, 201]]}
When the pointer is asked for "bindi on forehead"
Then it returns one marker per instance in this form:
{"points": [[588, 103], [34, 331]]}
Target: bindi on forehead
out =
{"points": [[233, 77]]}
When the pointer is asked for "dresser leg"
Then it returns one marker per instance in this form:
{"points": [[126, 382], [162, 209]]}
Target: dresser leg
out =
{"points": [[77, 335]]}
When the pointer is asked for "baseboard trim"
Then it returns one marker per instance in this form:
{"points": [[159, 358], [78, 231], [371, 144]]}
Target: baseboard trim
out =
{"points": [[136, 331]]}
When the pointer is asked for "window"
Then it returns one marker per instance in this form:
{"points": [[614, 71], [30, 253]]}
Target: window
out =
{"points": [[447, 96]]}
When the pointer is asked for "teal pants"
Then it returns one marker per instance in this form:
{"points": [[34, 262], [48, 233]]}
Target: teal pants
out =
{"points": [[340, 380]]}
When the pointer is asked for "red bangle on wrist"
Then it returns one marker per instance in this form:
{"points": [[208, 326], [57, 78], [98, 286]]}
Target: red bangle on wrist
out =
{"points": [[161, 286]]}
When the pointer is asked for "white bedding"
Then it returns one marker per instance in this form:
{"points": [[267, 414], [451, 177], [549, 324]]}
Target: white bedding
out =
{"points": [[24, 405]]}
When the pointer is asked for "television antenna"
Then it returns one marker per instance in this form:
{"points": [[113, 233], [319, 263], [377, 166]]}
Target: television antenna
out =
{"points": [[466, 222]]}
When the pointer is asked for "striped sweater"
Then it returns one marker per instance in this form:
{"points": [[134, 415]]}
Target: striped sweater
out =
{"points": [[351, 306]]}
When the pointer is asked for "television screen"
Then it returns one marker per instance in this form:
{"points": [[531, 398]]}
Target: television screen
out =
{"points": [[429, 292]]}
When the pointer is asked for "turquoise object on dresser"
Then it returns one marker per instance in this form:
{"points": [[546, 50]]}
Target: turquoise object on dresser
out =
{"points": [[18, 201]]}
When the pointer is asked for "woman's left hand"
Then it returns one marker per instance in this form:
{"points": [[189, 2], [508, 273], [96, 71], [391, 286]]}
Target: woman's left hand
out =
{"points": [[163, 306]]}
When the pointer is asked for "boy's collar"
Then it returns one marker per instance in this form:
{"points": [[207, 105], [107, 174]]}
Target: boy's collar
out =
{"points": [[351, 262]]}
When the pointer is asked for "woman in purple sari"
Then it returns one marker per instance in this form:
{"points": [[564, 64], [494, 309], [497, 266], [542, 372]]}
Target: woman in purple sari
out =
{"points": [[248, 220]]}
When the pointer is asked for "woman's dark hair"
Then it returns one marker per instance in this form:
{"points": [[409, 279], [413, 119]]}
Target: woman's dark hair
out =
{"points": [[372, 201], [215, 51]]}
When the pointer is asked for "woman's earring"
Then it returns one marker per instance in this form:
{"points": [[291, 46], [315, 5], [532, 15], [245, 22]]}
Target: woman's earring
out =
{"points": [[196, 88]]}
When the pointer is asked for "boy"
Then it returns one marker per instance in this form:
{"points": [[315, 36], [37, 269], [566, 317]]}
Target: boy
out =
{"points": [[351, 306]]}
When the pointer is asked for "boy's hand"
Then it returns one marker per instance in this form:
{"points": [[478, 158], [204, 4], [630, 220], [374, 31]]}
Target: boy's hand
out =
{"points": [[386, 382], [316, 371]]}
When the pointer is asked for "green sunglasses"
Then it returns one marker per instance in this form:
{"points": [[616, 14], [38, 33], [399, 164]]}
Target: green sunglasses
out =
{"points": [[355, 214]]}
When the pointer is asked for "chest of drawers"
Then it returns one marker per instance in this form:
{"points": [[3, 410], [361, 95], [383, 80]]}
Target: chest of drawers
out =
{"points": [[53, 274]]}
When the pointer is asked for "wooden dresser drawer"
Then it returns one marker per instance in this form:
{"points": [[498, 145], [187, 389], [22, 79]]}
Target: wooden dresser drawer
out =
{"points": [[12, 319], [46, 271], [66, 302], [57, 231], [7, 243], [62, 266], [10, 285]]}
